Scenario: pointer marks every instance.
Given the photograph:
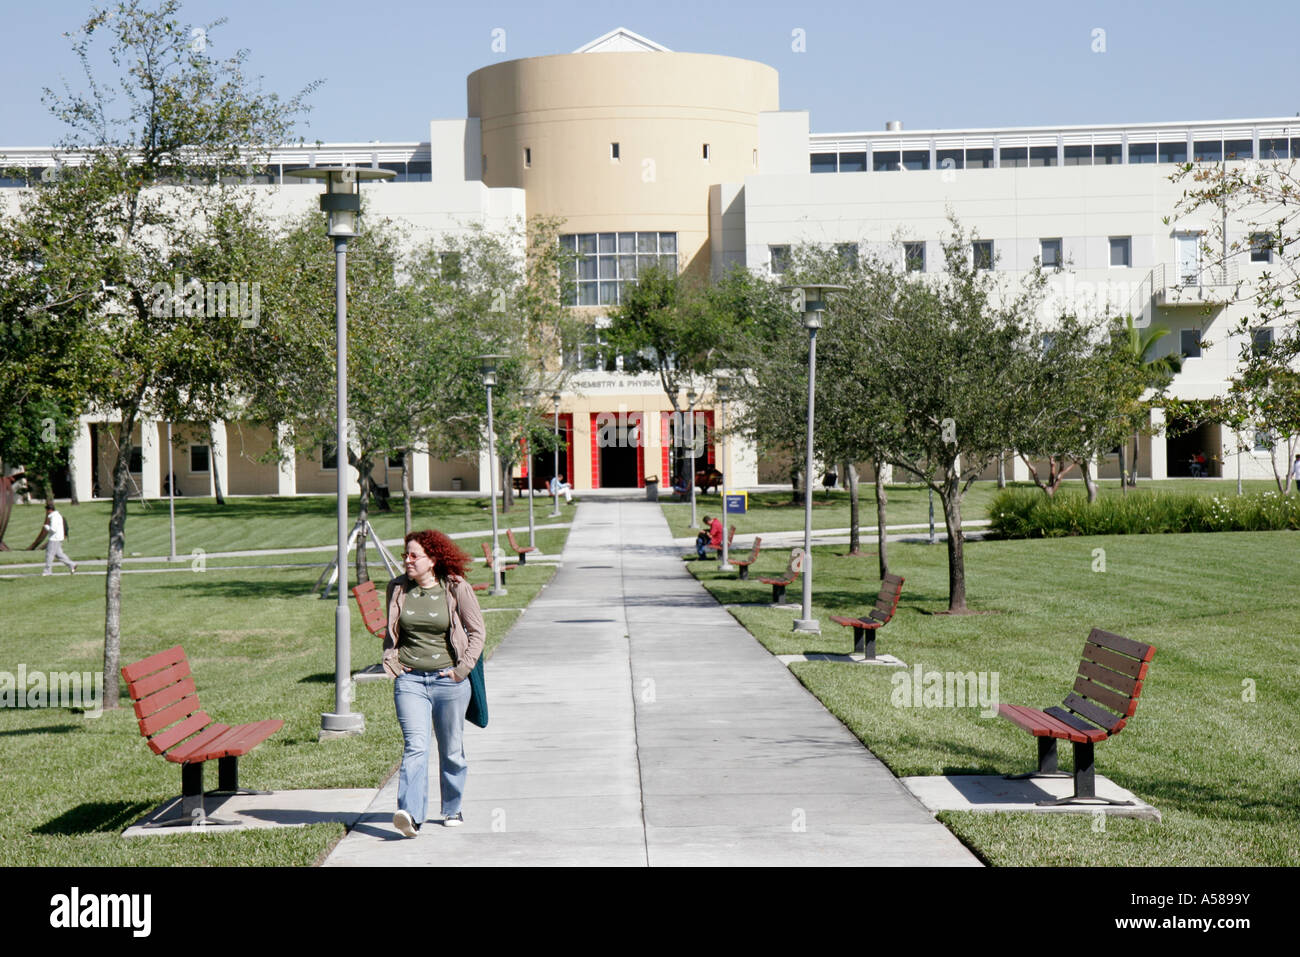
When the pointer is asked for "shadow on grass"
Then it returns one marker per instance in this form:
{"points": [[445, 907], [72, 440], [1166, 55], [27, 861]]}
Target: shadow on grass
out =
{"points": [[48, 729], [95, 817], [320, 678], [245, 589]]}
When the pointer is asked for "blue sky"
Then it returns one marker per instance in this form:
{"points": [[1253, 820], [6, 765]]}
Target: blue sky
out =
{"points": [[390, 67]]}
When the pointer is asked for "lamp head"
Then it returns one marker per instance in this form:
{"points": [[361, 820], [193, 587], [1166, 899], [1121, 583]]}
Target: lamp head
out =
{"points": [[341, 200]]}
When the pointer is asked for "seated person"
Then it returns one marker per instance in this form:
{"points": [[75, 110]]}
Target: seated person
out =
{"points": [[560, 487], [710, 536], [680, 486]]}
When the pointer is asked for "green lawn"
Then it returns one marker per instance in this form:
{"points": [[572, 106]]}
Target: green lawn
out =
{"points": [[253, 523], [1220, 609], [908, 504], [261, 646]]}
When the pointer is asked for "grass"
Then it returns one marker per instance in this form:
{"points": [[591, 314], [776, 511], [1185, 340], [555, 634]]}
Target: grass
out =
{"points": [[254, 523], [908, 504], [261, 645], [1221, 610]]}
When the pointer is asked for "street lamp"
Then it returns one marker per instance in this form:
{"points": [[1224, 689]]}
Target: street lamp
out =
{"points": [[691, 397], [724, 388], [555, 468], [342, 202], [811, 301], [488, 366], [530, 404]]}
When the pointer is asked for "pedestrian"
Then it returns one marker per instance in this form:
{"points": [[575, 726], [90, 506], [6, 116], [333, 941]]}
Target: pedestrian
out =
{"points": [[1295, 470], [55, 532], [711, 535], [434, 638], [560, 487]]}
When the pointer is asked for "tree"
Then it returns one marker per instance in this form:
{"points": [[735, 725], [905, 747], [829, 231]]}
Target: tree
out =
{"points": [[1137, 346], [96, 246]]}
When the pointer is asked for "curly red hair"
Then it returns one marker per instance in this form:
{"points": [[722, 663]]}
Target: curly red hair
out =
{"points": [[447, 557]]}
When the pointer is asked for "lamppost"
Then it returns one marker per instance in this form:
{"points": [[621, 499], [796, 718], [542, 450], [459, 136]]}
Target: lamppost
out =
{"points": [[811, 301], [724, 388], [171, 492], [530, 406], [691, 397], [341, 201], [488, 366], [555, 468]]}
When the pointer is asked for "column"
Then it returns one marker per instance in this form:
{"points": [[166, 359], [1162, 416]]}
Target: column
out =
{"points": [[81, 462], [150, 462], [1159, 462], [1019, 470], [218, 465], [420, 478]]}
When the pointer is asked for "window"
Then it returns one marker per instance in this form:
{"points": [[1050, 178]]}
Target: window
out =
{"points": [[823, 163], [1013, 156], [1051, 253], [198, 458], [1142, 152], [137, 460], [1190, 343], [591, 350], [485, 162], [1107, 154], [613, 151], [417, 172], [1078, 156], [914, 256], [949, 159], [1263, 440], [916, 159], [528, 157], [705, 152], [602, 262], [1172, 152], [779, 259], [1121, 251], [1273, 149], [1042, 156], [848, 254], [982, 249], [396, 461], [755, 159], [1207, 151], [979, 159], [329, 459], [449, 266], [853, 162], [883, 160], [1261, 248], [1261, 340], [1238, 149]]}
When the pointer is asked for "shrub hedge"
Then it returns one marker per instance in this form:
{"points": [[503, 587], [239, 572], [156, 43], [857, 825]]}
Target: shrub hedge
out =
{"points": [[1028, 513]]}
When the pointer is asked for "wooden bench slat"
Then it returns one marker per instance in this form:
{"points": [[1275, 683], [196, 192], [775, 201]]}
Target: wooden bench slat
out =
{"points": [[1115, 662], [240, 739], [151, 725], [154, 662], [147, 685], [1129, 687], [1092, 712], [373, 615], [1039, 723], [166, 696], [753, 556], [1120, 704], [1125, 646], [185, 751], [164, 741]]}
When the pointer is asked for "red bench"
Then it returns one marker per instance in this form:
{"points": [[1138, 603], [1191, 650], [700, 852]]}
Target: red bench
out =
{"points": [[175, 726], [1105, 696], [707, 478], [373, 614], [792, 570], [865, 627], [487, 555], [522, 552], [744, 563]]}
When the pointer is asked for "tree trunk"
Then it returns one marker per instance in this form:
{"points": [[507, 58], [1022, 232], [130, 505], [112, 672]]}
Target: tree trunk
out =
{"points": [[1002, 471], [116, 548], [1123, 472], [406, 493], [363, 466], [1133, 479], [850, 474], [794, 486], [1088, 483], [212, 464], [881, 525], [956, 558], [507, 489]]}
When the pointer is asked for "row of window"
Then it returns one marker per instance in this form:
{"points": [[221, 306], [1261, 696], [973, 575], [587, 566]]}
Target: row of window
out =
{"points": [[602, 262], [1050, 253], [413, 171], [1189, 341], [1099, 154], [615, 154]]}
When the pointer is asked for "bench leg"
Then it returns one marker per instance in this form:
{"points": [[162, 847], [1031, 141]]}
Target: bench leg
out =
{"points": [[523, 558], [193, 813], [744, 572], [864, 641], [778, 594], [1048, 766], [1085, 781], [228, 777]]}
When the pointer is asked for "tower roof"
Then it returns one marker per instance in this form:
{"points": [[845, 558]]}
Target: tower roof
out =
{"points": [[622, 40]]}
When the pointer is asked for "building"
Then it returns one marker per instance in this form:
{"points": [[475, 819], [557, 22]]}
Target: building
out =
{"points": [[653, 156]]}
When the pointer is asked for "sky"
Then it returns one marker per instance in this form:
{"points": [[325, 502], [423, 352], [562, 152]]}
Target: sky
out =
{"points": [[391, 67]]}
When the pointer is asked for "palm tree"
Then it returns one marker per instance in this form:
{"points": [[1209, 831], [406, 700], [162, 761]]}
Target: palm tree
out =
{"points": [[1139, 345]]}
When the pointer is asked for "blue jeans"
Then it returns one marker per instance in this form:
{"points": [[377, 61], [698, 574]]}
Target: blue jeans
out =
{"points": [[422, 698]]}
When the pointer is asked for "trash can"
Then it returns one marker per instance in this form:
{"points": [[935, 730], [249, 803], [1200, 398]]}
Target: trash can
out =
{"points": [[652, 490], [457, 484]]}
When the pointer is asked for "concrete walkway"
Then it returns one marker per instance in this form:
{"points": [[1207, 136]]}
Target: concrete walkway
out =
{"points": [[634, 722]]}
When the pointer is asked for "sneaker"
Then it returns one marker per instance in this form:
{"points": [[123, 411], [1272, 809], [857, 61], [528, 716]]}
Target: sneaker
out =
{"points": [[454, 820], [73, 569], [402, 821]]}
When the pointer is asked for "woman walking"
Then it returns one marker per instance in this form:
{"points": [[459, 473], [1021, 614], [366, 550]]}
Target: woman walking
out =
{"points": [[435, 636]]}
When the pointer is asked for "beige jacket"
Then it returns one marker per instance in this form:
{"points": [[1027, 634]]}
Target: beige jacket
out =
{"points": [[467, 630]]}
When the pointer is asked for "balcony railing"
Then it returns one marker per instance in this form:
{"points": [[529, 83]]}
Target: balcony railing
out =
{"points": [[1174, 285]]}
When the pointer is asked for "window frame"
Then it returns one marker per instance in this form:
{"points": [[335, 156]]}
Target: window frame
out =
{"points": [[1127, 246], [1059, 245]]}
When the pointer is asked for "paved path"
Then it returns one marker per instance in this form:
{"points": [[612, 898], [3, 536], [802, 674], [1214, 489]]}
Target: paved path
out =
{"points": [[634, 722]]}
